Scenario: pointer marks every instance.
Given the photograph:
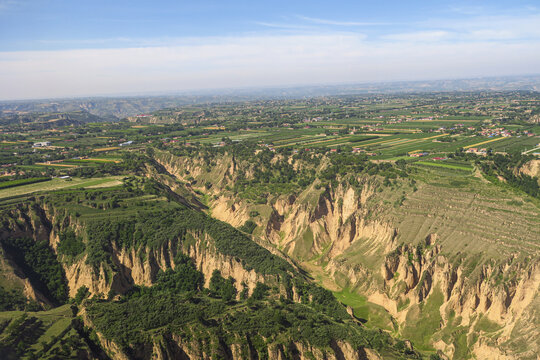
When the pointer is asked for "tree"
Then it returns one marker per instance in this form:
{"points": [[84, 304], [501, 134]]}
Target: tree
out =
{"points": [[81, 294], [222, 288], [260, 291]]}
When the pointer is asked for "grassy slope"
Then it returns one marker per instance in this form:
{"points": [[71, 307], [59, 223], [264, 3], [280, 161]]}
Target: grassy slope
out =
{"points": [[51, 334], [468, 213]]}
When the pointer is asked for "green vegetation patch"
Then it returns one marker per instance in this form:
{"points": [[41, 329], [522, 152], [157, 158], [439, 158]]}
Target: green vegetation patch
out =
{"points": [[19, 182], [445, 165], [70, 244], [53, 334], [13, 299], [38, 261], [155, 228], [139, 318], [423, 320], [374, 316]]}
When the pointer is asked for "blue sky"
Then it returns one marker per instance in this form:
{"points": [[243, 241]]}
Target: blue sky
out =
{"points": [[76, 48]]}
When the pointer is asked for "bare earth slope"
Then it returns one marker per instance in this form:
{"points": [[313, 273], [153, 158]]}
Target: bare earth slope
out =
{"points": [[452, 260]]}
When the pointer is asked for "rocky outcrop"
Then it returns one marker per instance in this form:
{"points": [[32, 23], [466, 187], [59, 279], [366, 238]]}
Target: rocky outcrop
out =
{"points": [[339, 229], [531, 168], [171, 346], [128, 266], [411, 275], [141, 266]]}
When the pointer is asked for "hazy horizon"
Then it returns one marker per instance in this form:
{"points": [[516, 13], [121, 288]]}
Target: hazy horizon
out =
{"points": [[303, 90], [59, 49]]}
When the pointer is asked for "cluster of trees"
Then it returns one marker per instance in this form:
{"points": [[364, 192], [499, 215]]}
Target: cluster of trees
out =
{"points": [[185, 276], [13, 299], [152, 228], [248, 227], [344, 164], [39, 263], [508, 168], [70, 244], [133, 321], [261, 173], [19, 336], [132, 163], [222, 288], [25, 338], [19, 182]]}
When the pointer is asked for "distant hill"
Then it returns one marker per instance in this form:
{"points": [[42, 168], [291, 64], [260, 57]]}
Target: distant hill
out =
{"points": [[114, 108], [49, 120], [107, 109]]}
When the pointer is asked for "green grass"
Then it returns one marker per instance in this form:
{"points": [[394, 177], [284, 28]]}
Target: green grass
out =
{"points": [[486, 325], [55, 321], [446, 165], [22, 182], [375, 315], [57, 184], [304, 244], [423, 320]]}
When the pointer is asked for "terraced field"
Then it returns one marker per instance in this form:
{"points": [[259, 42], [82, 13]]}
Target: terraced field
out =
{"points": [[470, 215], [515, 144]]}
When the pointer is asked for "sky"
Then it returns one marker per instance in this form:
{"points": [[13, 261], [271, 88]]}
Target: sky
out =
{"points": [[58, 48]]}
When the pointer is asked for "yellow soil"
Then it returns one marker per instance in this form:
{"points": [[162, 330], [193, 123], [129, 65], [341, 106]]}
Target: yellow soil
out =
{"points": [[104, 160], [106, 184], [483, 142], [107, 148]]}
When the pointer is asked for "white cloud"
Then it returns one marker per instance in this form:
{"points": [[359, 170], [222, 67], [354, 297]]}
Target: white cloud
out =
{"points": [[419, 36], [341, 23], [7, 6], [491, 34], [254, 61], [467, 10], [282, 25], [496, 27]]}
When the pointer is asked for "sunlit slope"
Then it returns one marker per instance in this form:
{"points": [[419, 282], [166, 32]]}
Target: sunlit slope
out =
{"points": [[469, 215], [443, 248]]}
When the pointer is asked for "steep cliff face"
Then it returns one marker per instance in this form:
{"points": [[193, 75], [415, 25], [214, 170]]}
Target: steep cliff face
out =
{"points": [[14, 276], [236, 347], [357, 245], [128, 266], [23, 222], [242, 348], [532, 168], [306, 224], [26, 221], [141, 266], [222, 172]]}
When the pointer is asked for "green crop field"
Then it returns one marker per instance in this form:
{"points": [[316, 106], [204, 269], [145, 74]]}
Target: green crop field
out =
{"points": [[57, 184], [305, 207], [445, 165]]}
